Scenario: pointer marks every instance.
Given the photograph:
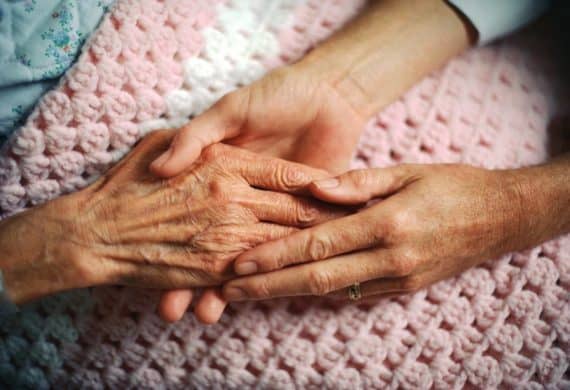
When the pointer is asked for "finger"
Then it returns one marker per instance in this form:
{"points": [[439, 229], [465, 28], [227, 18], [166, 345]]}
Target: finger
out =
{"points": [[318, 278], [173, 304], [360, 186], [380, 288], [163, 254], [151, 276], [210, 306], [289, 210], [276, 174], [211, 249], [342, 235], [225, 242], [220, 122]]}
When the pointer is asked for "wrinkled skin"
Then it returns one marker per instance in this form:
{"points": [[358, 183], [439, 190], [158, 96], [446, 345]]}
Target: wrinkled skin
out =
{"points": [[291, 114], [431, 223], [131, 228]]}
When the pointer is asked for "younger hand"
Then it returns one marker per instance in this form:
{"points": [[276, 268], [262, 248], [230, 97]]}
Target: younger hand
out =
{"points": [[291, 114], [431, 222]]}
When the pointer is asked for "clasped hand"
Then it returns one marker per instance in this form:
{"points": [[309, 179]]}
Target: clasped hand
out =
{"points": [[131, 228], [433, 222], [429, 223]]}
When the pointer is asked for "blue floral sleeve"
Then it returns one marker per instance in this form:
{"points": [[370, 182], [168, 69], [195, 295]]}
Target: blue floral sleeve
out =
{"points": [[39, 40]]}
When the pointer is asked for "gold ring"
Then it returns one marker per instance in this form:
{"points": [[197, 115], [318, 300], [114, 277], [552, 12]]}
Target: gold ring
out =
{"points": [[354, 293]]}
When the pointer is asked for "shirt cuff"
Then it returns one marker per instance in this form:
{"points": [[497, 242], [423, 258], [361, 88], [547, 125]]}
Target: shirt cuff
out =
{"points": [[494, 19]]}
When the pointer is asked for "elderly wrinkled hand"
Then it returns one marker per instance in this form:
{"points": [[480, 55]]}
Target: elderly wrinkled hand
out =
{"points": [[429, 223], [131, 228], [290, 114]]}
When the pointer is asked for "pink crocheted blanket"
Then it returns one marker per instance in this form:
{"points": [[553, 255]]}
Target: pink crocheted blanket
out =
{"points": [[154, 63]]}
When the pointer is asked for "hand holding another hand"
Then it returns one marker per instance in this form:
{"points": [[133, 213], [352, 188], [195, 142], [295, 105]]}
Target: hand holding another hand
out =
{"points": [[131, 228], [291, 113], [430, 223]]}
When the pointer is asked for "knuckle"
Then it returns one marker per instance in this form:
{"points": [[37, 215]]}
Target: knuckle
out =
{"points": [[319, 282], [306, 215], [360, 179], [291, 177], [397, 226], [261, 289], [278, 262], [149, 255], [218, 190], [318, 247]]}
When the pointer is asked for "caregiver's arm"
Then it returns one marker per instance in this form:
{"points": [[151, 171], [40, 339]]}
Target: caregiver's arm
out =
{"points": [[387, 49], [395, 43], [433, 222], [131, 228], [314, 111]]}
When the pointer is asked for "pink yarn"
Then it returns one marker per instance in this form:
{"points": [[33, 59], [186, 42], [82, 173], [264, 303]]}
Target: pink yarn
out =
{"points": [[153, 63]]}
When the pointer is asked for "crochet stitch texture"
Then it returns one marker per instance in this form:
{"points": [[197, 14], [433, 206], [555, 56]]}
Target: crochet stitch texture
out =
{"points": [[153, 63]]}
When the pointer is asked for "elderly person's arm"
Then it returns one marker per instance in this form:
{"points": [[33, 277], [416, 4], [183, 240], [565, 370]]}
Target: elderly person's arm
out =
{"points": [[432, 223], [131, 228]]}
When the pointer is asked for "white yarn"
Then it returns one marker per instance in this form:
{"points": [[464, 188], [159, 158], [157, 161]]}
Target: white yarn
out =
{"points": [[232, 56]]}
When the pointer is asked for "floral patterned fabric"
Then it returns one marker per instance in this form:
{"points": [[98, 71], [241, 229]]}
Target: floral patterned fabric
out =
{"points": [[39, 40]]}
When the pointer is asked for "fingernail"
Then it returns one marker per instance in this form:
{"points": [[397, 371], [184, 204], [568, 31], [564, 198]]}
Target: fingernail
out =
{"points": [[234, 294], [327, 183], [246, 268], [163, 159]]}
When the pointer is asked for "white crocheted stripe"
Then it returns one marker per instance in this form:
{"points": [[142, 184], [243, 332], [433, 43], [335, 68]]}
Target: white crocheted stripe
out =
{"points": [[233, 55]]}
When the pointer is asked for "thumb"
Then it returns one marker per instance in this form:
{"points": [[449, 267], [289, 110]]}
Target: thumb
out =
{"points": [[360, 186], [218, 123]]}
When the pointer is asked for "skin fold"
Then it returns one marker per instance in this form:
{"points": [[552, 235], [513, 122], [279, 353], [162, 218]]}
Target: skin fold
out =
{"points": [[132, 228]]}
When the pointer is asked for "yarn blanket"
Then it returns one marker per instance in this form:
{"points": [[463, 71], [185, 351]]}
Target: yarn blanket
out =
{"points": [[156, 63]]}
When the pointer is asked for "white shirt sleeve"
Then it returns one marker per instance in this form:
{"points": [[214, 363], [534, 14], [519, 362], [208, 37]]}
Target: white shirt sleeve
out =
{"points": [[496, 18]]}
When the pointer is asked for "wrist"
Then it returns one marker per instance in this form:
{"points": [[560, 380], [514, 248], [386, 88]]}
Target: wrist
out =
{"points": [[387, 49], [542, 197], [37, 256]]}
